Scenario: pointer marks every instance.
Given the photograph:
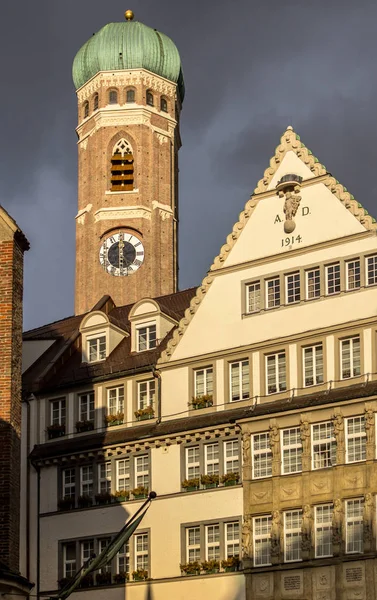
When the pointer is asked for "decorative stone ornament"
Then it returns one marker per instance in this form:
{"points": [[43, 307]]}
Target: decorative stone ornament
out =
{"points": [[289, 187]]}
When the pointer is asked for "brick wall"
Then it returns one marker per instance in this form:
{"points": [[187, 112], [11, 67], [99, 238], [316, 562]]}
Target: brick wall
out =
{"points": [[11, 287]]}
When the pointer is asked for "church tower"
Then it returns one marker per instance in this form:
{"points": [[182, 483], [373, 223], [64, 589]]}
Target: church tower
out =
{"points": [[130, 89]]}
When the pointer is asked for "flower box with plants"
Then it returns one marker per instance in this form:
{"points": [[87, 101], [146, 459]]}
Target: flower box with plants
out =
{"points": [[210, 566], [203, 401], [191, 568], [140, 492], [84, 501], [66, 503], [121, 577], [230, 564], [64, 581], [87, 581], [55, 431], [111, 420], [121, 495], [103, 578], [84, 426], [103, 498], [144, 413], [230, 478], [190, 485], [210, 481], [139, 575]]}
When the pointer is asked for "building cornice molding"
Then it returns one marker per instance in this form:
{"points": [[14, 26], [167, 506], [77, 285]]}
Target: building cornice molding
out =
{"points": [[122, 212]]}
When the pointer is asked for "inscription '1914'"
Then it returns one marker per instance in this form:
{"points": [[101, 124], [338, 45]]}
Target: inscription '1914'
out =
{"points": [[291, 240]]}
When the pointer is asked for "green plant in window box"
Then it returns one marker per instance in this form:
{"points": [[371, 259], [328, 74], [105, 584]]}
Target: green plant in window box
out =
{"points": [[84, 426], [191, 568], [230, 478], [87, 581], [230, 564], [144, 413], [210, 481], [103, 498], [139, 575], [211, 566], [103, 578], [121, 577], [66, 503], [140, 492], [84, 501], [64, 581], [203, 401], [111, 420], [55, 431], [121, 495], [190, 485]]}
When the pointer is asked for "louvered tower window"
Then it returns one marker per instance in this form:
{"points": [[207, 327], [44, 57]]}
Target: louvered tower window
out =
{"points": [[122, 167], [86, 110], [95, 102]]}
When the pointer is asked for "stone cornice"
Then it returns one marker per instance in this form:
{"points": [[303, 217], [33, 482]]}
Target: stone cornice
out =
{"points": [[122, 212]]}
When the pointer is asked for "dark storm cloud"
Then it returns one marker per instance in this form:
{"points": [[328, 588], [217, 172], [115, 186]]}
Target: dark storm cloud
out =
{"points": [[251, 69]]}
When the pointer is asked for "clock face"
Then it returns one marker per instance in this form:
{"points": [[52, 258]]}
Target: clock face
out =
{"points": [[121, 254]]}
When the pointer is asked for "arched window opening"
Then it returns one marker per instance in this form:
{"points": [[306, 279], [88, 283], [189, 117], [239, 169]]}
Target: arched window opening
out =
{"points": [[130, 96], [86, 110], [113, 97], [150, 98], [164, 105], [95, 102], [122, 167]]}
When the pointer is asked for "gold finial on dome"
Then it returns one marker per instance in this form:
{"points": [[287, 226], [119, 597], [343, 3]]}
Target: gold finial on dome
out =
{"points": [[129, 15]]}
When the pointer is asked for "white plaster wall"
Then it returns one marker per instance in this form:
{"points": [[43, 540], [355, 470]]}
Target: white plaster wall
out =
{"points": [[166, 471], [49, 489], [175, 391]]}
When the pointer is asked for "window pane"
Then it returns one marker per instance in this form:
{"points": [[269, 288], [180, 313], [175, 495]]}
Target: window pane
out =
{"points": [[372, 270], [313, 284], [333, 279], [253, 298]]}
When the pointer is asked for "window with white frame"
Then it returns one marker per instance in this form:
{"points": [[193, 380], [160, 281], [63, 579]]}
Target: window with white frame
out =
{"points": [[291, 446], [123, 474], [96, 347], [115, 400], [292, 288], [69, 559], [276, 373], [193, 544], [323, 530], [273, 292], [313, 365], [211, 458], [262, 540], [86, 480], [203, 382], [231, 457], [261, 456], [313, 283], [58, 412], [355, 439], [146, 337], [212, 541], [123, 559], [146, 391], [102, 545], [253, 297], [141, 551], [142, 471], [350, 360], [104, 478], [333, 279], [239, 380], [371, 269], [86, 406], [323, 445], [353, 274], [87, 551], [232, 539], [69, 483], [292, 535], [354, 525], [192, 462]]}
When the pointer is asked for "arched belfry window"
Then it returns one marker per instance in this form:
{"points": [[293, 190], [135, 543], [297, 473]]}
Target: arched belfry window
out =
{"points": [[130, 96], [86, 110], [113, 97], [164, 105], [95, 102], [122, 167], [149, 98]]}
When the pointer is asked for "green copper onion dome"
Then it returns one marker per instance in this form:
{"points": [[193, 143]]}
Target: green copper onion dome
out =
{"points": [[128, 45]]}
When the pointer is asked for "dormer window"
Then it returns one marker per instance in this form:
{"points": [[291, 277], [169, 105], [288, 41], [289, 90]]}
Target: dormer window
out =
{"points": [[96, 348], [146, 337]]}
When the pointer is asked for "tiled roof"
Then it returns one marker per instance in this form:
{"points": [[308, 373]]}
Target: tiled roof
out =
{"points": [[47, 374]]}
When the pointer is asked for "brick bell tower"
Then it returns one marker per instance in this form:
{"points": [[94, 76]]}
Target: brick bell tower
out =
{"points": [[130, 89]]}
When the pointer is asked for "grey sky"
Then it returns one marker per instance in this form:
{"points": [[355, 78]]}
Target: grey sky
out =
{"points": [[251, 68]]}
